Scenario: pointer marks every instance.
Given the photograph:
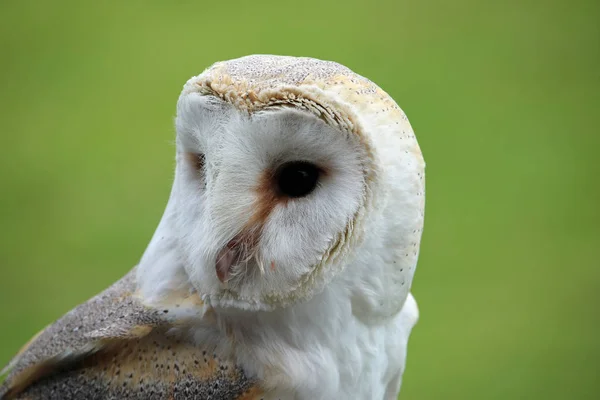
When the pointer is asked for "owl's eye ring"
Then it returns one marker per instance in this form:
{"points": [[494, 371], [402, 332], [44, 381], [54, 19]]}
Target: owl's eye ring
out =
{"points": [[297, 178]]}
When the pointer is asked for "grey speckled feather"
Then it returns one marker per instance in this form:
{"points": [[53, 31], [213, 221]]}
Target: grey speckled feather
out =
{"points": [[114, 347]]}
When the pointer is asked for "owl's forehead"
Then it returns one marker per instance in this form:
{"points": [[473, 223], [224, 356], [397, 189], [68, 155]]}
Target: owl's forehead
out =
{"points": [[220, 130]]}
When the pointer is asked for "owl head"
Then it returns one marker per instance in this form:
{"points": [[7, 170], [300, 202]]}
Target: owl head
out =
{"points": [[290, 172]]}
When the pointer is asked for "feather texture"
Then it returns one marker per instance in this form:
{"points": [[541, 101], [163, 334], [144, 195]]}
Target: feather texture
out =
{"points": [[115, 347]]}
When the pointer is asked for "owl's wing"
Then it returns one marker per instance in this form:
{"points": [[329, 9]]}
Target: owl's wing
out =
{"points": [[114, 347]]}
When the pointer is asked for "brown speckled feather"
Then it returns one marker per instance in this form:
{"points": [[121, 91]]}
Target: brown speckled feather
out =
{"points": [[114, 347]]}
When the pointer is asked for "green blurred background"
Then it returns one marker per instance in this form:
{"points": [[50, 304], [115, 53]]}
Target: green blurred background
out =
{"points": [[503, 95]]}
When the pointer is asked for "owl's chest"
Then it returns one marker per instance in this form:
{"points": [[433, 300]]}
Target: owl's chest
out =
{"points": [[341, 357]]}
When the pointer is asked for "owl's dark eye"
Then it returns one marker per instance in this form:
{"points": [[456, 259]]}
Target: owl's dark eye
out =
{"points": [[297, 178]]}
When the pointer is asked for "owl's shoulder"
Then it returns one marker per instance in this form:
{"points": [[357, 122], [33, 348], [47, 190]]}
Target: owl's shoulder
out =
{"points": [[113, 346]]}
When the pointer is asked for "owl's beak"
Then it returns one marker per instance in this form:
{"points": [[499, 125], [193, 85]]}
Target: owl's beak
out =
{"points": [[224, 263], [239, 250], [226, 259]]}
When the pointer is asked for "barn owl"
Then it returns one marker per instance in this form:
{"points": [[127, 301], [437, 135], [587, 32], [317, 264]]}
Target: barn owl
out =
{"points": [[282, 266]]}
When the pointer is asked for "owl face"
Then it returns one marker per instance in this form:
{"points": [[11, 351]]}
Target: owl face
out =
{"points": [[261, 197], [290, 172]]}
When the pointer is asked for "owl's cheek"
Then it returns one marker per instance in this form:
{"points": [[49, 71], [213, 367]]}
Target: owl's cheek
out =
{"points": [[289, 258]]}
